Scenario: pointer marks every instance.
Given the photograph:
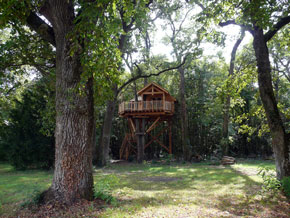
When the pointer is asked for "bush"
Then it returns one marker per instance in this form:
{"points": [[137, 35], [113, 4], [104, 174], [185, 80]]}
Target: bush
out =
{"points": [[286, 186], [270, 181], [103, 189]]}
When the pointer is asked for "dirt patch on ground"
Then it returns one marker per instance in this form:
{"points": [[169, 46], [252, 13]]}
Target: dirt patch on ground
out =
{"points": [[81, 208], [161, 179]]}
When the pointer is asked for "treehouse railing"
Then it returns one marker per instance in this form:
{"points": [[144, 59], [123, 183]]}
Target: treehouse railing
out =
{"points": [[146, 106]]}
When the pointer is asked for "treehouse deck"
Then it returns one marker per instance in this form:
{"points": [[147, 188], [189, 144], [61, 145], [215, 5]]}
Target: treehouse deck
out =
{"points": [[147, 108]]}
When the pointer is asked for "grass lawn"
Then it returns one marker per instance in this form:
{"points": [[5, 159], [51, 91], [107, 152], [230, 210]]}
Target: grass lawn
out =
{"points": [[156, 190]]}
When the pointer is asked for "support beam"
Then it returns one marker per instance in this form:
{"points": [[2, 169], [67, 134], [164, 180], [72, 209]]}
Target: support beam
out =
{"points": [[160, 143], [155, 137], [123, 146], [132, 125], [137, 135], [155, 93], [153, 125]]}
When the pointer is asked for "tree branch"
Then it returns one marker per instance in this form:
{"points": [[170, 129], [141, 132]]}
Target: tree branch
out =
{"points": [[183, 20], [246, 27], [149, 75], [281, 23], [281, 71], [234, 51], [43, 29]]}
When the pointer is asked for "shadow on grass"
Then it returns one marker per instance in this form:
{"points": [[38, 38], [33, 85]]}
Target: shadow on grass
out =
{"points": [[204, 182], [183, 178], [253, 203]]}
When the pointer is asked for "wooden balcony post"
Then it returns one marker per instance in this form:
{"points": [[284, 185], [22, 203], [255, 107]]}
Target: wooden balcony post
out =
{"points": [[163, 102]]}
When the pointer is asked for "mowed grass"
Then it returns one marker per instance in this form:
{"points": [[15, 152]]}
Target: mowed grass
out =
{"points": [[157, 190], [18, 187]]}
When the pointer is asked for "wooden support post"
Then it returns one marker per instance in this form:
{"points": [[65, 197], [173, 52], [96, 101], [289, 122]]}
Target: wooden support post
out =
{"points": [[143, 136], [170, 136], [140, 134]]}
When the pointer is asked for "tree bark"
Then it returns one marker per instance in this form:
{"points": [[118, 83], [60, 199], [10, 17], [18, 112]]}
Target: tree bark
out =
{"points": [[73, 178], [184, 121], [280, 140], [226, 117]]}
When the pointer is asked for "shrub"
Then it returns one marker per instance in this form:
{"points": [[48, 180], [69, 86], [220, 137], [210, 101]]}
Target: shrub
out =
{"points": [[103, 189], [286, 186], [270, 181]]}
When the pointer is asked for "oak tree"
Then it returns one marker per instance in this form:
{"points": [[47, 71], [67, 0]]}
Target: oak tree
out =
{"points": [[80, 33]]}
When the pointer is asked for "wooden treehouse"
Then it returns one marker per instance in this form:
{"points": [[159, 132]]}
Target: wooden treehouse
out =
{"points": [[155, 106]]}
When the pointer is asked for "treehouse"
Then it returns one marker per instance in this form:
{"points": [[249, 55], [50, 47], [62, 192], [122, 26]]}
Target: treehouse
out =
{"points": [[153, 107]]}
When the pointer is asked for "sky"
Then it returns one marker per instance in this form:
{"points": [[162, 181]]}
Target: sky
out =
{"points": [[232, 32]]}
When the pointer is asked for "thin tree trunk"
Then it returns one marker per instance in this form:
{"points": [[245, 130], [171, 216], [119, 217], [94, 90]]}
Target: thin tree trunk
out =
{"points": [[202, 129], [184, 121], [104, 146], [73, 178], [106, 132], [280, 140], [226, 117]]}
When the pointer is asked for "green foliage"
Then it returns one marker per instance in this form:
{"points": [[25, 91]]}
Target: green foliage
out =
{"points": [[101, 54], [270, 181], [286, 185], [22, 137], [104, 187]]}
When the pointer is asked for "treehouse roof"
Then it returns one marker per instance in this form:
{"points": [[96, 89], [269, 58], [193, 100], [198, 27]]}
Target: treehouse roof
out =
{"points": [[154, 88]]}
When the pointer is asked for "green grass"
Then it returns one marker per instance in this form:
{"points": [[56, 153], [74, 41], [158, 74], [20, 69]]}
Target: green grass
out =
{"points": [[17, 187], [188, 190]]}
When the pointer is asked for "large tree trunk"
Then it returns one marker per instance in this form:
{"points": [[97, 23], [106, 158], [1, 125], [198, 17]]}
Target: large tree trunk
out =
{"points": [[226, 111], [184, 121], [280, 140], [73, 178]]}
